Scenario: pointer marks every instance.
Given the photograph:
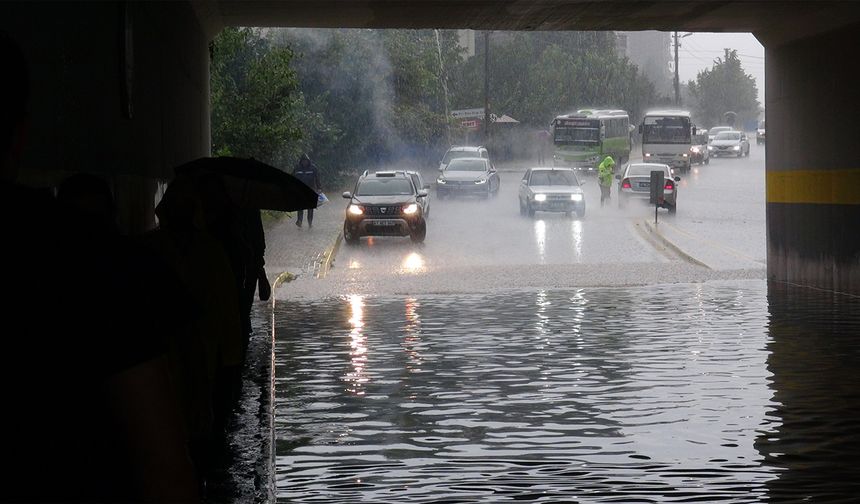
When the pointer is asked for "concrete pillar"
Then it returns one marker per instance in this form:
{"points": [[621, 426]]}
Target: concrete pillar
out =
{"points": [[84, 57], [813, 172]]}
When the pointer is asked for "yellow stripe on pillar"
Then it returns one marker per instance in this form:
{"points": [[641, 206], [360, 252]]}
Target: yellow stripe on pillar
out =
{"points": [[824, 187]]}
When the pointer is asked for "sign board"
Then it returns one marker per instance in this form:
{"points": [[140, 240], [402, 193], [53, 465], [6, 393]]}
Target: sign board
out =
{"points": [[577, 123], [657, 180], [467, 113], [471, 124]]}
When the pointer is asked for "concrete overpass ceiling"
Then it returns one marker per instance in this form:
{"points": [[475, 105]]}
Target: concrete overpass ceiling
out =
{"points": [[776, 21]]}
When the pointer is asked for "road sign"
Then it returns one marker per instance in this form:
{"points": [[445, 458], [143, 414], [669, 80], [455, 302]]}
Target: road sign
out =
{"points": [[471, 124], [467, 113], [657, 191]]}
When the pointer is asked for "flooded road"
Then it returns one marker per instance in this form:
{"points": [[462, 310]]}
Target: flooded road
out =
{"points": [[694, 392]]}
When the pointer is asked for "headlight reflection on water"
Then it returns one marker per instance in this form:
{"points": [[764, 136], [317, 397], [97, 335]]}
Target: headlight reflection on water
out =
{"points": [[413, 263], [357, 377]]}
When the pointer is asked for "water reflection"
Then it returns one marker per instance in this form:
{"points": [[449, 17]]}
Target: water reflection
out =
{"points": [[576, 235], [540, 239], [812, 432], [412, 344], [682, 393], [356, 378], [413, 263]]}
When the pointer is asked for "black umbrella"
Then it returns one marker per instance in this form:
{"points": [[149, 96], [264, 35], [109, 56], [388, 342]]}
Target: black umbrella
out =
{"points": [[253, 184]]}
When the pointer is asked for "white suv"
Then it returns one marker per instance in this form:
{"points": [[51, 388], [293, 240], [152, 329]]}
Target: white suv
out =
{"points": [[463, 152]]}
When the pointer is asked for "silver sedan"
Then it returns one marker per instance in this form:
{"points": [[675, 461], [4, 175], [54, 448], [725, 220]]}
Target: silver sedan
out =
{"points": [[551, 190], [635, 183]]}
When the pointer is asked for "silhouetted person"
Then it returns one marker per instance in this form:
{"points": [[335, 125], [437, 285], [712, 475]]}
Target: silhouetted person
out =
{"points": [[89, 413], [255, 271], [224, 224], [204, 269], [306, 171]]}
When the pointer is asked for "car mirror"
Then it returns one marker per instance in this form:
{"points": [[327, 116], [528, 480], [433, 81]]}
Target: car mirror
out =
{"points": [[423, 193], [677, 179], [347, 195], [618, 177], [441, 168]]}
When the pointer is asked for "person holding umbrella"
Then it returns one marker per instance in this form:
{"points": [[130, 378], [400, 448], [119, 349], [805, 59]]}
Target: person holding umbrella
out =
{"points": [[307, 172]]}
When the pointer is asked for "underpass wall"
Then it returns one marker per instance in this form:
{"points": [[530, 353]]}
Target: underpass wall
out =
{"points": [[117, 88]]}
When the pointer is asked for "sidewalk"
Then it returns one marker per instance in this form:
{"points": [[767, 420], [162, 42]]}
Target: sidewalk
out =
{"points": [[708, 252], [294, 249]]}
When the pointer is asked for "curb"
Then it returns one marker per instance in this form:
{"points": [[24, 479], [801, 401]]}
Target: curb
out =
{"points": [[328, 256], [655, 232]]}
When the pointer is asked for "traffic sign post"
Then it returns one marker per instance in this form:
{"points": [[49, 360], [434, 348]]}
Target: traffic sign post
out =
{"points": [[657, 191]]}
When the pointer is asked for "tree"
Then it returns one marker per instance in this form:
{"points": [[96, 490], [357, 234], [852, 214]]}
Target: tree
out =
{"points": [[257, 108], [724, 87]]}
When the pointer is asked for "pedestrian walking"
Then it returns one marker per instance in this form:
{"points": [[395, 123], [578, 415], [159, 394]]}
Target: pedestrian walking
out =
{"points": [[307, 172], [544, 143], [605, 171]]}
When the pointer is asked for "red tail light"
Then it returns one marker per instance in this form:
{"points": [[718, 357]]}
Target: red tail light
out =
{"points": [[625, 184], [669, 185]]}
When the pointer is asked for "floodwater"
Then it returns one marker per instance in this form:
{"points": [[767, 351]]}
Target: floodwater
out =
{"points": [[719, 391]]}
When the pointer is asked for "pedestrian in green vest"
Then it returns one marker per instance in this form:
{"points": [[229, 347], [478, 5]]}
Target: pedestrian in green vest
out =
{"points": [[604, 177]]}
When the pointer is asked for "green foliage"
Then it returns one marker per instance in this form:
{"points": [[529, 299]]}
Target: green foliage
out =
{"points": [[355, 99], [257, 109], [536, 76], [723, 88]]}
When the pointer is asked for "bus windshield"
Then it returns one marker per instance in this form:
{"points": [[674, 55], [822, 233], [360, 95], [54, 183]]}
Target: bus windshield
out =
{"points": [[666, 130], [565, 135]]}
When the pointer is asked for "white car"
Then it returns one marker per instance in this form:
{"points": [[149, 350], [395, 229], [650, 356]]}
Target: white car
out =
{"points": [[730, 143], [463, 151], [712, 133], [551, 190]]}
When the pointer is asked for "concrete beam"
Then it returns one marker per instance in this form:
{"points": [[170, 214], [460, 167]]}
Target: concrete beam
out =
{"points": [[813, 181]]}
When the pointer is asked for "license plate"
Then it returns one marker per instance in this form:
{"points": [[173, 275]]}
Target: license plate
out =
{"points": [[644, 184], [385, 223]]}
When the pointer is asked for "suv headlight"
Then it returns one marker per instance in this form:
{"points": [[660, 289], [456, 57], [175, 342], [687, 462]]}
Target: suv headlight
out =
{"points": [[575, 197], [736, 147], [540, 197], [481, 181], [410, 209], [355, 210]]}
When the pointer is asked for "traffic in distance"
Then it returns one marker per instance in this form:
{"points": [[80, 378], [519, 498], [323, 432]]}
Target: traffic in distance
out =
{"points": [[588, 142]]}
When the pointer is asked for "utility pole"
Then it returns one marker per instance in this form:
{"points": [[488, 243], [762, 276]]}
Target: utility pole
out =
{"points": [[486, 87], [677, 44]]}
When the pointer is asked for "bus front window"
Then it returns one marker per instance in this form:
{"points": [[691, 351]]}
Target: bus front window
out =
{"points": [[666, 130], [576, 136]]}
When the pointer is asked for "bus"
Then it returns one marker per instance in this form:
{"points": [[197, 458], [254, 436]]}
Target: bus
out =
{"points": [[667, 137], [582, 140]]}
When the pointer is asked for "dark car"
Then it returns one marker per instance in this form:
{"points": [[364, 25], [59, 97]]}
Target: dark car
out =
{"points": [[468, 176], [385, 204]]}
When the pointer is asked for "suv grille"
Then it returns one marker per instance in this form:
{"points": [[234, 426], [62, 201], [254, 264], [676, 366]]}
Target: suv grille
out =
{"points": [[382, 211]]}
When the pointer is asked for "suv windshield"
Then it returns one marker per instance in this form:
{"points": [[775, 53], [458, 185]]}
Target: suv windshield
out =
{"points": [[728, 135], [458, 154], [384, 187], [553, 177], [467, 165], [719, 129]]}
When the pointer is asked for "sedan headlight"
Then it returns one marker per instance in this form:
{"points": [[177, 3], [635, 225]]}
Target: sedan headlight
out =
{"points": [[440, 180], [540, 197], [647, 154], [410, 209], [694, 150], [685, 155], [736, 147], [481, 181], [575, 197], [710, 147], [355, 210]]}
